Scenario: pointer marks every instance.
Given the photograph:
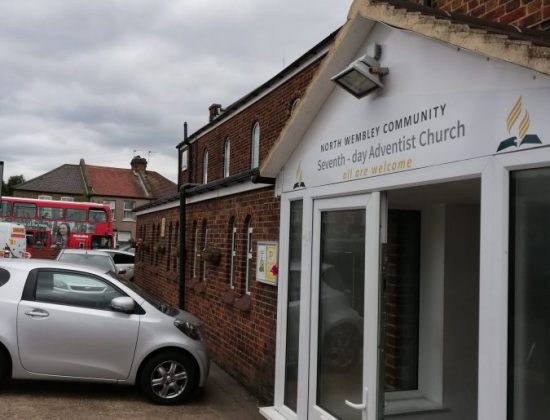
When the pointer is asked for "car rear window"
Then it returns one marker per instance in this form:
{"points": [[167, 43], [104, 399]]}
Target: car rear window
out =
{"points": [[4, 276]]}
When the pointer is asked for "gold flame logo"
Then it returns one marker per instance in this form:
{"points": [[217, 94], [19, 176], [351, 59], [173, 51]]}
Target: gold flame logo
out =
{"points": [[522, 139], [513, 118]]}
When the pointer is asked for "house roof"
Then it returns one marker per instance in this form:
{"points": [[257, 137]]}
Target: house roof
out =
{"points": [[119, 182], [92, 180], [523, 47], [66, 179]]}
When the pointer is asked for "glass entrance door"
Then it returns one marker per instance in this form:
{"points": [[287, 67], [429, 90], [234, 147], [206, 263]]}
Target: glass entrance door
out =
{"points": [[344, 324]]}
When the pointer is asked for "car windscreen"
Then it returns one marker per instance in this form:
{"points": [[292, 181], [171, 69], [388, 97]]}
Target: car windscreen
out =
{"points": [[103, 262], [4, 276], [161, 305]]}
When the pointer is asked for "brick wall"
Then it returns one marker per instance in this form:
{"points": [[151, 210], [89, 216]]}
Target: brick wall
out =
{"points": [[523, 13], [271, 112], [240, 328]]}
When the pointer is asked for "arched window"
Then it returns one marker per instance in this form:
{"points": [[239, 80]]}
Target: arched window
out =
{"points": [[249, 253], [226, 157], [233, 252], [205, 167], [294, 105], [255, 156]]}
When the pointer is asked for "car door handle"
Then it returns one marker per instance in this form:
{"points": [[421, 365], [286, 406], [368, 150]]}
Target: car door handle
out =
{"points": [[37, 313]]}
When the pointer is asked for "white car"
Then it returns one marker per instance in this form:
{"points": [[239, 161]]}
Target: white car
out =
{"points": [[124, 260], [68, 322]]}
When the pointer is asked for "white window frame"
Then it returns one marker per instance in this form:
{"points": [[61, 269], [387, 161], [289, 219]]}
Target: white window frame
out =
{"points": [[129, 210], [112, 206], [226, 157], [255, 146], [184, 158], [205, 167], [195, 252], [493, 278], [233, 254], [249, 254], [204, 275]]}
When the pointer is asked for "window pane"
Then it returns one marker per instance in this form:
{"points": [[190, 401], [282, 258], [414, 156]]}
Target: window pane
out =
{"points": [[255, 158], [76, 214], [293, 304], [98, 216], [529, 340], [401, 300], [24, 210], [50, 213], [340, 322], [75, 290], [5, 209]]}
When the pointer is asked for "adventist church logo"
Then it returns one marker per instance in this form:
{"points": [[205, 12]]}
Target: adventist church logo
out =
{"points": [[522, 138]]}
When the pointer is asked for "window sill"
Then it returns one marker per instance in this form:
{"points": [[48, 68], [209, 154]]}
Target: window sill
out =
{"points": [[128, 220], [271, 413], [397, 407]]}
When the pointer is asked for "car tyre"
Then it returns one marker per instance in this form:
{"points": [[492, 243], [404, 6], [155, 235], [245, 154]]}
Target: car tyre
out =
{"points": [[169, 378]]}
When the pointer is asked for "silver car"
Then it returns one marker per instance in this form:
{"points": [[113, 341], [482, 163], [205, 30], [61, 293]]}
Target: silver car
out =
{"points": [[67, 322]]}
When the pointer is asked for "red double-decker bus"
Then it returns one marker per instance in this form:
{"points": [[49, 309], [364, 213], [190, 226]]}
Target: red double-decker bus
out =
{"points": [[60, 224]]}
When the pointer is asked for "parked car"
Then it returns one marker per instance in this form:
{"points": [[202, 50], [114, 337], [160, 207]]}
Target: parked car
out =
{"points": [[91, 258], [67, 322], [124, 260]]}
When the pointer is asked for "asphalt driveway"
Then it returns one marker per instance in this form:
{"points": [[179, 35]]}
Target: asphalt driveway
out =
{"points": [[222, 398]]}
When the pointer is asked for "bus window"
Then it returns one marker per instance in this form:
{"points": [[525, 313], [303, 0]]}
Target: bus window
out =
{"points": [[76, 214], [24, 210], [5, 209], [52, 213], [98, 216]]}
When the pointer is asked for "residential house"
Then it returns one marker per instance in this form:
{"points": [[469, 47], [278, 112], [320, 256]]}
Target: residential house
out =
{"points": [[122, 189]]}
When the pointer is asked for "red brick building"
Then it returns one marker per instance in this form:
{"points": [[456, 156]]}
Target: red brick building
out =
{"points": [[228, 209]]}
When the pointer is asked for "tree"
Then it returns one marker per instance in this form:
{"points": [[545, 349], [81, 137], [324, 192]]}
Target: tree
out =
{"points": [[14, 180]]}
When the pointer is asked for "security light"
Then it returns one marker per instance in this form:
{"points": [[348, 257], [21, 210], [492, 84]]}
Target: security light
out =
{"points": [[362, 76]]}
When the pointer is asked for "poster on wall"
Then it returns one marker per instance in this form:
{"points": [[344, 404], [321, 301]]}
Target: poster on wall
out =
{"points": [[267, 262]]}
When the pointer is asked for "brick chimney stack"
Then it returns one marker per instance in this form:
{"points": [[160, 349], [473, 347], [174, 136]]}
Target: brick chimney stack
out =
{"points": [[215, 111], [138, 164]]}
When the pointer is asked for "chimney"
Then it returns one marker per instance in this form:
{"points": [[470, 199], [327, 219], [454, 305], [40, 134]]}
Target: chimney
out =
{"points": [[138, 164], [215, 111]]}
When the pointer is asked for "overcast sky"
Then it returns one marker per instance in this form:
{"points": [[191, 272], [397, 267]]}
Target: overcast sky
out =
{"points": [[104, 80]]}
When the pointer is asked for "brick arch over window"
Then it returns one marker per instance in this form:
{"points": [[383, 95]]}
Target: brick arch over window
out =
{"points": [[255, 146]]}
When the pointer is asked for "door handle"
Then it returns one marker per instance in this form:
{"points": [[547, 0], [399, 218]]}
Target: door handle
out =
{"points": [[356, 406], [360, 406], [37, 313]]}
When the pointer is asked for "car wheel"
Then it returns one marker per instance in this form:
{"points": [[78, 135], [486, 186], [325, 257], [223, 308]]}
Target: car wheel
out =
{"points": [[169, 378], [341, 347]]}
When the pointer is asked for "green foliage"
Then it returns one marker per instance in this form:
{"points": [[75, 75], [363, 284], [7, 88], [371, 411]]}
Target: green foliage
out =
{"points": [[7, 187]]}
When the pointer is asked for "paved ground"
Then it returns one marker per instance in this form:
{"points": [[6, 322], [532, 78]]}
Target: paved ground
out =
{"points": [[222, 398]]}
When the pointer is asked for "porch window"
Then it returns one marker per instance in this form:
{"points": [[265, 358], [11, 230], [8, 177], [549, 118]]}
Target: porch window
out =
{"points": [[529, 308]]}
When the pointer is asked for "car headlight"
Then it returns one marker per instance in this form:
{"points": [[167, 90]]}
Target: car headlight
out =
{"points": [[190, 330]]}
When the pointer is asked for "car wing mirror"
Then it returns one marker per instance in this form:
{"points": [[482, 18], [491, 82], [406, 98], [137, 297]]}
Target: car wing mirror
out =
{"points": [[123, 304]]}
